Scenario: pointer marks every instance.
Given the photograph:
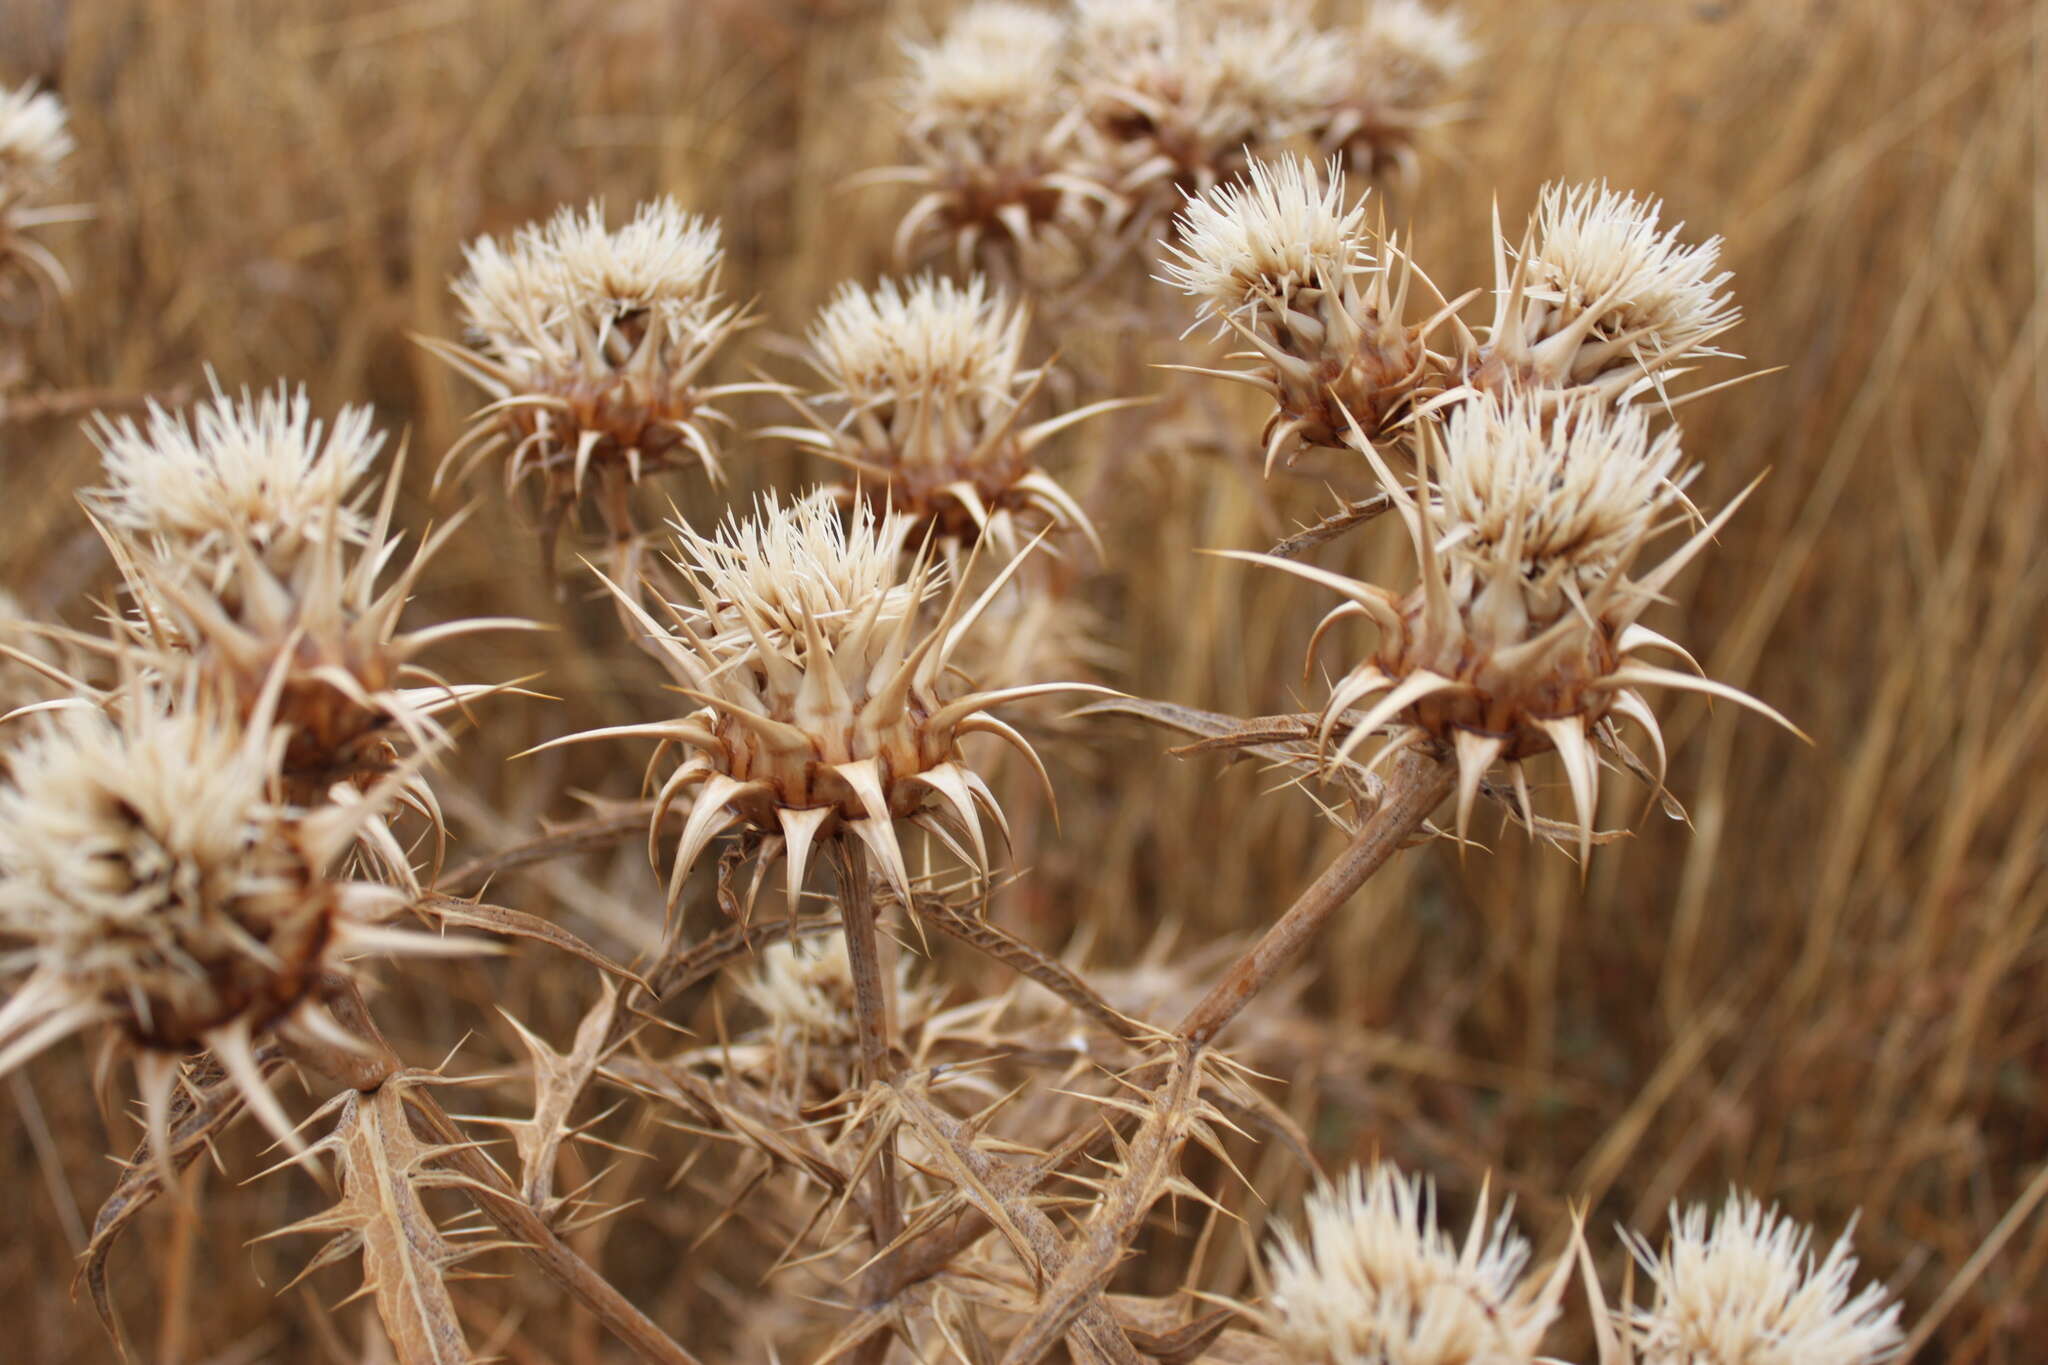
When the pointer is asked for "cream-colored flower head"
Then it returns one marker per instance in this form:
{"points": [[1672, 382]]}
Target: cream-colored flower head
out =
{"points": [[1413, 52], [260, 470], [1184, 90], [1603, 296], [830, 704], [251, 556], [1405, 68], [1745, 1289], [993, 135], [154, 883], [592, 343], [1371, 1278], [1286, 229], [35, 139], [1284, 263], [924, 403], [1523, 635]]}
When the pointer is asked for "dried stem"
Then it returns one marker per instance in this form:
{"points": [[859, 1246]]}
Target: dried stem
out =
{"points": [[1418, 783], [873, 1011], [494, 1194]]}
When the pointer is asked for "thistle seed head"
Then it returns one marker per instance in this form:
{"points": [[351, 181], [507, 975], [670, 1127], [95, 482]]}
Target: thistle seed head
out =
{"points": [[251, 557], [928, 395], [34, 141], [829, 703], [35, 138], [1284, 265], [998, 61], [1523, 635], [592, 344], [1414, 53], [1603, 297], [1372, 1278], [1745, 1290], [260, 471]]}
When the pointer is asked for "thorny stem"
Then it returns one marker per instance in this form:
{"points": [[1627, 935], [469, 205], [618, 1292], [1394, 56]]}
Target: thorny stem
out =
{"points": [[497, 1198], [873, 1010], [1419, 781]]}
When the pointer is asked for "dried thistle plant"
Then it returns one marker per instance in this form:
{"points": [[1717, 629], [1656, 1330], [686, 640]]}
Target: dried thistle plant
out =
{"points": [[249, 547], [1282, 263], [1370, 1277], [1524, 634], [999, 163], [829, 704], [926, 407], [1740, 1284], [593, 345], [155, 885], [35, 139], [1408, 63]]}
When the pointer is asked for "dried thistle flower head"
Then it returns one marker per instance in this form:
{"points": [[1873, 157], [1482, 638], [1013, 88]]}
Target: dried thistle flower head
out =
{"points": [[152, 882], [35, 139], [261, 471], [1603, 297], [592, 344], [1371, 1278], [1282, 263], [1745, 1290], [829, 703], [1523, 635], [249, 554], [1184, 90], [1408, 60], [994, 139], [928, 400]]}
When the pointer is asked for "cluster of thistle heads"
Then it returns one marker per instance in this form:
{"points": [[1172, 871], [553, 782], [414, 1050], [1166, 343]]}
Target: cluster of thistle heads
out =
{"points": [[1533, 461], [227, 802], [1044, 143]]}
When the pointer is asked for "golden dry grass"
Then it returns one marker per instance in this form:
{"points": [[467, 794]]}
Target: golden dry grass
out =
{"points": [[1829, 990]]}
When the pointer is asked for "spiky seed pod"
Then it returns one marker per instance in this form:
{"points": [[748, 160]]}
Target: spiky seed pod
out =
{"points": [[151, 882], [1001, 177], [593, 345], [1407, 63], [1602, 297], [830, 706], [1283, 263], [1745, 1291], [926, 404], [808, 1032], [1372, 1278], [1185, 90], [1524, 635], [249, 552], [35, 138]]}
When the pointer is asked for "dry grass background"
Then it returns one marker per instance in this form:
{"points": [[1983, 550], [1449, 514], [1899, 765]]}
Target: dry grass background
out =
{"points": [[1832, 990]]}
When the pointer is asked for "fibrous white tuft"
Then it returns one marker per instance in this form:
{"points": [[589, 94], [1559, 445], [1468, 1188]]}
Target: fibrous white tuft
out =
{"points": [[1745, 1290], [1371, 1278]]}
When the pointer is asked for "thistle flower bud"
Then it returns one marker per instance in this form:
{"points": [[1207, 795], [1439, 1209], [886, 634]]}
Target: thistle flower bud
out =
{"points": [[829, 706], [1523, 635], [1280, 261], [1602, 298], [929, 397], [34, 141], [995, 145], [593, 346], [1372, 1278], [1746, 1291], [1407, 60], [250, 553], [152, 883]]}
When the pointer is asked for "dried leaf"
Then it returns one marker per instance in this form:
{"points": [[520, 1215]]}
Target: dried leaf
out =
{"points": [[498, 919]]}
